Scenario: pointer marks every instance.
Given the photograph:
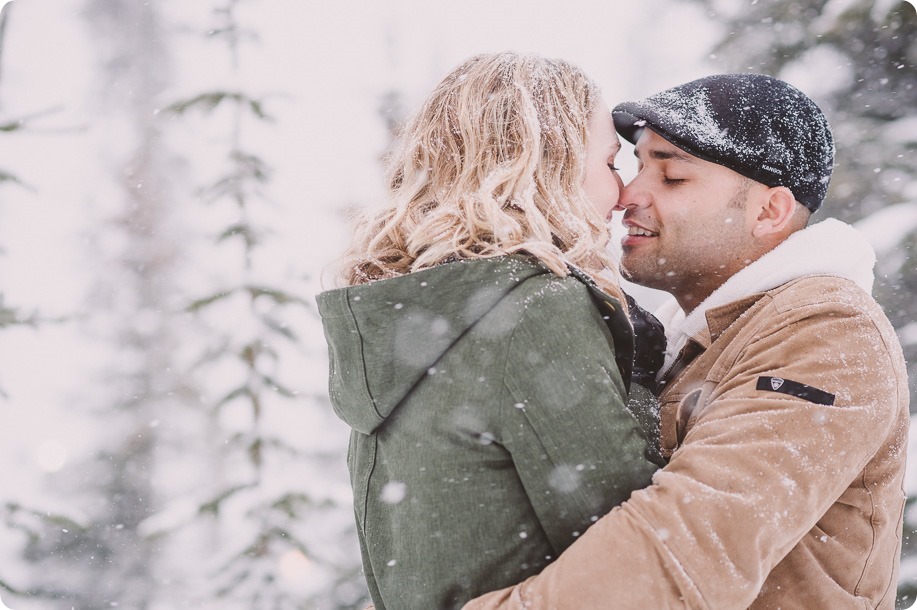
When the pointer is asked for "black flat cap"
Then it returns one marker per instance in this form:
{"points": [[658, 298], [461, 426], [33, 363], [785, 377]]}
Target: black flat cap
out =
{"points": [[756, 125]]}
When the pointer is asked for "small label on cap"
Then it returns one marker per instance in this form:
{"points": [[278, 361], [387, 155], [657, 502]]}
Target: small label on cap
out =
{"points": [[772, 169]]}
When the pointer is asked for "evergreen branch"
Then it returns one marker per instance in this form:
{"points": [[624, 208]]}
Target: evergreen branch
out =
{"points": [[227, 186], [257, 169], [257, 109], [211, 354], [5, 176], [250, 353], [213, 506], [217, 32], [248, 172], [209, 101], [12, 125], [56, 520], [247, 441], [278, 387], [206, 101], [31, 533], [33, 593], [255, 444], [234, 33], [233, 395], [199, 304], [255, 452], [10, 317], [278, 296], [288, 503], [243, 230], [11, 589], [280, 328], [235, 187], [22, 122]]}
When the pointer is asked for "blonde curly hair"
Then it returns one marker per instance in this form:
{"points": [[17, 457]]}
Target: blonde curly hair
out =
{"points": [[492, 164]]}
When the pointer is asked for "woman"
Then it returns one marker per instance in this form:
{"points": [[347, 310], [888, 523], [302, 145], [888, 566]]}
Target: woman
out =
{"points": [[475, 359]]}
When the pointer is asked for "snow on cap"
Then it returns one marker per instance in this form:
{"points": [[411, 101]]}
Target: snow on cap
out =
{"points": [[756, 125]]}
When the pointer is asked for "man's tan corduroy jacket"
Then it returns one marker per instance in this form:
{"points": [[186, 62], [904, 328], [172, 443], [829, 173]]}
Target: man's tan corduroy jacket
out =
{"points": [[787, 437]]}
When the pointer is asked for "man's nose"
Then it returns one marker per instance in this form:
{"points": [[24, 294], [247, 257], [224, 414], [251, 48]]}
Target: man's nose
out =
{"points": [[632, 196]]}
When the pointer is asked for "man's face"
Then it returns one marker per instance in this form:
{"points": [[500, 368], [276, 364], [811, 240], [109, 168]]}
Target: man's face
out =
{"points": [[689, 228]]}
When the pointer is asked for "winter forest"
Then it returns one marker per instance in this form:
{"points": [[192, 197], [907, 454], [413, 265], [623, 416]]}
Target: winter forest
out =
{"points": [[175, 181]]}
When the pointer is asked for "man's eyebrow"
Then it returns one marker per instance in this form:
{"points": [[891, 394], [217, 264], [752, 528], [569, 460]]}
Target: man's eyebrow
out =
{"points": [[668, 155]]}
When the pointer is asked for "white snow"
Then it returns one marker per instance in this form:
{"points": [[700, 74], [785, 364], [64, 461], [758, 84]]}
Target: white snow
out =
{"points": [[886, 228], [323, 69]]}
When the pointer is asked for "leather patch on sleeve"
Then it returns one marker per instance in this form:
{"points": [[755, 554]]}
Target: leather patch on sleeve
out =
{"points": [[794, 388]]}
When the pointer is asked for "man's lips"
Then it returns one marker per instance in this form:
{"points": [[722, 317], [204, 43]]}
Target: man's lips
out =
{"points": [[637, 235]]}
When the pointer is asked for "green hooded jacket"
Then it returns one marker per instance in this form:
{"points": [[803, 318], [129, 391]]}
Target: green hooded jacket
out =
{"points": [[489, 422]]}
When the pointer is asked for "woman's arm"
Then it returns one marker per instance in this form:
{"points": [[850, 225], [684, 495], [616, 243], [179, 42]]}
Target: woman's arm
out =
{"points": [[577, 448]]}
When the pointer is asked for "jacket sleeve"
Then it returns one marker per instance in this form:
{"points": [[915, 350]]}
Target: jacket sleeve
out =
{"points": [[751, 478], [577, 449]]}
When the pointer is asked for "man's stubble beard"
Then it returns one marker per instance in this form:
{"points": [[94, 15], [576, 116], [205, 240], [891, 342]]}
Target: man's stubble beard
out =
{"points": [[684, 282]]}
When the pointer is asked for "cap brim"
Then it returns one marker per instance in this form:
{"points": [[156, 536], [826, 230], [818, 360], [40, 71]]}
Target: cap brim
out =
{"points": [[627, 123], [631, 118]]}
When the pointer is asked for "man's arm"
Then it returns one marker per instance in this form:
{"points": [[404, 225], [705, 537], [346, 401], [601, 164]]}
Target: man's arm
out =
{"points": [[754, 474]]}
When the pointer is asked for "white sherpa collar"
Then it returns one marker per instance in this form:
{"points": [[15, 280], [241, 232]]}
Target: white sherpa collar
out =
{"points": [[830, 247]]}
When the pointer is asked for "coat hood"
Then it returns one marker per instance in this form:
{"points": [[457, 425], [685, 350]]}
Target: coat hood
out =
{"points": [[383, 337]]}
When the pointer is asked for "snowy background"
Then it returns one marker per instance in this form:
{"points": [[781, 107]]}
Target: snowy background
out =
{"points": [[174, 180]]}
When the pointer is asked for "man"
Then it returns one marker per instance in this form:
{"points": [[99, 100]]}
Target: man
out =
{"points": [[784, 401]]}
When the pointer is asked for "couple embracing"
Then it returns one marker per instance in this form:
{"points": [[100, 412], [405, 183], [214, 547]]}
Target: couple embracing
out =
{"points": [[525, 435]]}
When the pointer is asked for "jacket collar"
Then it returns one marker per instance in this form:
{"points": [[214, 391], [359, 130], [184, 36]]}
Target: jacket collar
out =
{"points": [[721, 318], [830, 247]]}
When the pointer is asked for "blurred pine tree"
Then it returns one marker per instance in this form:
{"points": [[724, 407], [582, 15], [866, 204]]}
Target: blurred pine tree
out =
{"points": [[88, 549], [281, 532], [8, 314]]}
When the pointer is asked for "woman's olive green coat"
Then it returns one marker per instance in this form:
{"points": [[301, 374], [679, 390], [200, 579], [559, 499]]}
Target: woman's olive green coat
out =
{"points": [[489, 423]]}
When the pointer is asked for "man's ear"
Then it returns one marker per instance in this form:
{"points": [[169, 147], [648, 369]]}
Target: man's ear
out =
{"points": [[777, 207]]}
